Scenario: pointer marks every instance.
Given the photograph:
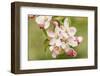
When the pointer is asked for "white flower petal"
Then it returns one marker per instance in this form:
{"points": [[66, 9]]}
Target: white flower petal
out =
{"points": [[54, 55], [65, 35], [41, 25], [49, 18], [66, 50], [58, 42], [59, 32], [63, 45], [40, 19], [72, 31], [56, 50], [80, 39], [52, 41], [72, 42], [57, 29], [51, 48], [47, 24], [51, 34], [66, 23]]}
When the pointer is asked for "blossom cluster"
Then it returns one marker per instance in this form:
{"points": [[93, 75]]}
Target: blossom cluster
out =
{"points": [[61, 38]]}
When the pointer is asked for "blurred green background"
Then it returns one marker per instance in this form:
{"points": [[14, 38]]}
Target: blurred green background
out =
{"points": [[36, 39]]}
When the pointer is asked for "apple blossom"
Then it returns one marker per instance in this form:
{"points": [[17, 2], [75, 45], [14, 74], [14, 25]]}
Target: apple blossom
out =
{"points": [[43, 21], [61, 38]]}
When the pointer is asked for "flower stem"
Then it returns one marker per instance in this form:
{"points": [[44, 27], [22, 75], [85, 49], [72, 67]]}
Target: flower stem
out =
{"points": [[45, 33]]}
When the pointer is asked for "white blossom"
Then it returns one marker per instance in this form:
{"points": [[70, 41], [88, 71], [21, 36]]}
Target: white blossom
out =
{"points": [[43, 21], [62, 37]]}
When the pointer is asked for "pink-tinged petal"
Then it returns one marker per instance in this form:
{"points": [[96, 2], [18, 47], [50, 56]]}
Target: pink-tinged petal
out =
{"points": [[72, 41], [72, 31], [66, 49], [40, 20], [54, 49], [41, 26], [60, 32], [65, 35], [71, 52], [58, 42], [52, 41], [51, 33], [80, 39], [44, 20], [57, 50]]}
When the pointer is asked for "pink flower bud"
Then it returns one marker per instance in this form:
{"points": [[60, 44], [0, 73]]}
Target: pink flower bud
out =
{"points": [[72, 53]]}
